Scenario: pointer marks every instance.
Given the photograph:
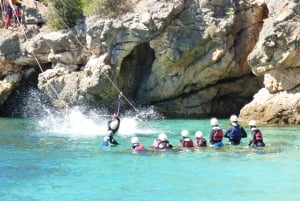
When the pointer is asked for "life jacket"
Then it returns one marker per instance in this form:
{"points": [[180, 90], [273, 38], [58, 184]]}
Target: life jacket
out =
{"points": [[258, 136], [200, 142], [235, 133], [218, 135], [138, 147], [187, 142], [158, 144]]}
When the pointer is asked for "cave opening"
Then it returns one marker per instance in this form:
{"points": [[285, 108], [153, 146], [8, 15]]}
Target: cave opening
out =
{"points": [[135, 69]]}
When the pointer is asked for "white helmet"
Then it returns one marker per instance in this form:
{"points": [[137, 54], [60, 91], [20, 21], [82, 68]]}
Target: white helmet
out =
{"points": [[233, 118], [252, 123], [134, 140], [162, 137], [198, 134], [184, 133], [114, 124], [214, 122]]}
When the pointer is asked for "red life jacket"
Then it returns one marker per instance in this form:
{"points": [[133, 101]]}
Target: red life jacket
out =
{"points": [[258, 136], [158, 144], [188, 143], [139, 148], [218, 135]]}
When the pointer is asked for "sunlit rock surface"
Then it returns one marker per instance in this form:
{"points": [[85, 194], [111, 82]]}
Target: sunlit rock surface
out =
{"points": [[276, 57]]}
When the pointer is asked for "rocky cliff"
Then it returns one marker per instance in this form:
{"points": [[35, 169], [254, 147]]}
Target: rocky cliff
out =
{"points": [[276, 58], [187, 58]]}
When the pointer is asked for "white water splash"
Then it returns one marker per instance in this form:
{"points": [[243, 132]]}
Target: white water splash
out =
{"points": [[80, 125]]}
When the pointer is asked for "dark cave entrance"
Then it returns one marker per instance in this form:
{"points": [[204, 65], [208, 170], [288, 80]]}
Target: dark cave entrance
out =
{"points": [[136, 68]]}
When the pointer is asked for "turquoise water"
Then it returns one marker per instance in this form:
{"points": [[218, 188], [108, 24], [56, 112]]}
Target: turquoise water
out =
{"points": [[55, 159]]}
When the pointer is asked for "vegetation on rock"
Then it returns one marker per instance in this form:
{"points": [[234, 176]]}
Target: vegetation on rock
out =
{"points": [[63, 13], [109, 8]]}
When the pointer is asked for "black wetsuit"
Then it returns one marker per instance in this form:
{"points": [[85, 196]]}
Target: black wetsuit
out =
{"points": [[112, 141], [111, 129]]}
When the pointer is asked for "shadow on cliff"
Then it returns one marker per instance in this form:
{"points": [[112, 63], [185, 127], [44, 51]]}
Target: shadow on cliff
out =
{"points": [[27, 101], [10, 48]]}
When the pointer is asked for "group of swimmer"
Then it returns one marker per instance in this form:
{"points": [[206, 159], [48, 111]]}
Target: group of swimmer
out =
{"points": [[234, 134]]}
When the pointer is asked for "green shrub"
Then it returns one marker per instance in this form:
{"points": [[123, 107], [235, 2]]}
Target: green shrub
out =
{"points": [[67, 12], [110, 8], [63, 12]]}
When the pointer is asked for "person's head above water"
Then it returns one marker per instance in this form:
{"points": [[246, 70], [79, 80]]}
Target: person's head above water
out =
{"points": [[198, 134], [162, 137], [134, 140], [114, 116], [234, 120], [214, 122], [184, 133]]}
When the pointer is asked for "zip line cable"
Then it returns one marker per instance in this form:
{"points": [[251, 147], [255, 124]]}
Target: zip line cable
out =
{"points": [[51, 86], [76, 38], [113, 84], [130, 103]]}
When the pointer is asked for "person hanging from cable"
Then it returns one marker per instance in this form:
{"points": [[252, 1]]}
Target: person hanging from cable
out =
{"points": [[113, 126]]}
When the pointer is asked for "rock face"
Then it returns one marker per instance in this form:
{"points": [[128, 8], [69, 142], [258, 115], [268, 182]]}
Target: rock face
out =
{"points": [[187, 58], [275, 58]]}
